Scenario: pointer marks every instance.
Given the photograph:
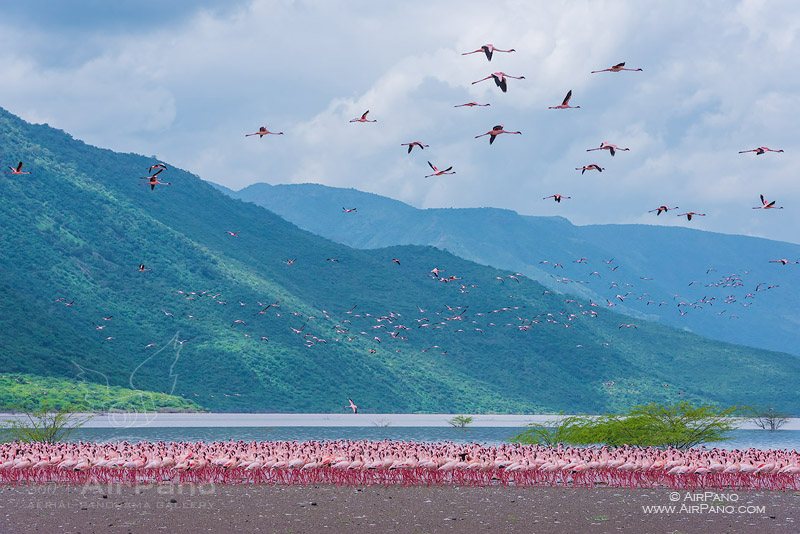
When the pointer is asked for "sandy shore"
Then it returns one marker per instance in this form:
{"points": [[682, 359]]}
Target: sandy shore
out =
{"points": [[188, 420], [168, 508]]}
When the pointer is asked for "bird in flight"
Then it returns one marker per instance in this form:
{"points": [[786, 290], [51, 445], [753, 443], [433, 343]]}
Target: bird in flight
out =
{"points": [[607, 146], [590, 167], [765, 205], [142, 268], [500, 80], [18, 169], [437, 172], [760, 150], [616, 68], [628, 325], [558, 198], [495, 131], [262, 132], [488, 49], [782, 261], [690, 214], [363, 118], [352, 406], [471, 105], [155, 166], [661, 209], [349, 210], [565, 103], [232, 234], [412, 144]]}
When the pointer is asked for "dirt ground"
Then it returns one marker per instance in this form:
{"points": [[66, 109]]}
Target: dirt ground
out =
{"points": [[319, 509]]}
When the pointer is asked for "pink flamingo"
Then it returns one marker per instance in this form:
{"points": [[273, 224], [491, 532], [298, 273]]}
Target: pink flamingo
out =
{"points": [[488, 49], [495, 131], [612, 149], [590, 167], [500, 80], [783, 261], [661, 209], [760, 150], [470, 105], [232, 234], [437, 172], [352, 406], [616, 68], [565, 103], [262, 132], [690, 214], [363, 118], [349, 210], [767, 205], [558, 198], [412, 144], [18, 169]]}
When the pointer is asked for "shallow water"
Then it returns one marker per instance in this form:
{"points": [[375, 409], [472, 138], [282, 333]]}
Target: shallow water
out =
{"points": [[740, 439]]}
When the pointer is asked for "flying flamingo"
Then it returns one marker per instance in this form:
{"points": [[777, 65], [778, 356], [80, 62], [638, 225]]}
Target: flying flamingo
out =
{"points": [[352, 406], [495, 131], [470, 105], [500, 79], [628, 325], [590, 167], [661, 209], [363, 118], [767, 205], [691, 214], [565, 103], [760, 150], [18, 169], [232, 234], [412, 144], [262, 132], [556, 197], [488, 49], [159, 166], [607, 146], [616, 68], [783, 261], [437, 172], [349, 210], [142, 269], [154, 181]]}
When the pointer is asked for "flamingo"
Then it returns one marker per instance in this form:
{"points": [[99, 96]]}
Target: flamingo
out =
{"points": [[590, 167], [153, 181], [616, 68], [488, 49], [782, 261], [18, 169], [612, 149], [760, 150], [495, 131], [470, 105], [437, 172], [690, 214], [767, 205], [349, 210], [155, 166], [661, 209], [500, 79], [352, 406], [412, 144], [628, 325], [142, 269], [556, 197], [232, 234], [565, 103], [363, 118], [262, 132]]}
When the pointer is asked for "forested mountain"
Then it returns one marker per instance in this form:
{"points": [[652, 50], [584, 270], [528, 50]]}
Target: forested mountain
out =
{"points": [[343, 322]]}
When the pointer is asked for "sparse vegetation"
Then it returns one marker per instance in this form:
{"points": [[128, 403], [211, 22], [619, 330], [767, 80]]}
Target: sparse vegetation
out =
{"points": [[44, 424], [769, 419]]}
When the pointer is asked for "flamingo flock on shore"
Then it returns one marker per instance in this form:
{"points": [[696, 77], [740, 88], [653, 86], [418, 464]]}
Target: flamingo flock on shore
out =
{"points": [[396, 463]]}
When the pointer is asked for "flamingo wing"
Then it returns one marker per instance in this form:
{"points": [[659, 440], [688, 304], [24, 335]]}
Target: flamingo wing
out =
{"points": [[566, 98], [433, 166], [364, 116], [19, 167], [619, 65]]}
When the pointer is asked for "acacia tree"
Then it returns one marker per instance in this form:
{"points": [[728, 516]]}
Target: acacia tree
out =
{"points": [[43, 424], [769, 419], [679, 426], [461, 421]]}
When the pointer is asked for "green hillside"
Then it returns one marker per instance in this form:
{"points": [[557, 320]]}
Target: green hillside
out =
{"points": [[77, 228]]}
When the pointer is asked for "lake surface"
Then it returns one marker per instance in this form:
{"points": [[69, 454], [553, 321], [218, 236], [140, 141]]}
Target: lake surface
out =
{"points": [[741, 439]]}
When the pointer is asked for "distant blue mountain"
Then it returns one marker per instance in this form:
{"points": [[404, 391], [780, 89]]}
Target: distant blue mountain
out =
{"points": [[721, 286]]}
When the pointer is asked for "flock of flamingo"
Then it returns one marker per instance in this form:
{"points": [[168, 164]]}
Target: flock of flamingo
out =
{"points": [[400, 462], [396, 463]]}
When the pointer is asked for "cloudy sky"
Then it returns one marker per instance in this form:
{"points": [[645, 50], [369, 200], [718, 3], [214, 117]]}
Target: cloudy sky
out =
{"points": [[185, 80]]}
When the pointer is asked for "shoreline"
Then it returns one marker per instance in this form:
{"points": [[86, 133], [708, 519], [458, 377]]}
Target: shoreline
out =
{"points": [[256, 420]]}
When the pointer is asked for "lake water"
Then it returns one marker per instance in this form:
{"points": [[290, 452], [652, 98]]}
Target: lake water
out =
{"points": [[782, 439]]}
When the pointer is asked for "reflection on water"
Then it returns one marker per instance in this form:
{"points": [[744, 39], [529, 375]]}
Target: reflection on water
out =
{"points": [[741, 439]]}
